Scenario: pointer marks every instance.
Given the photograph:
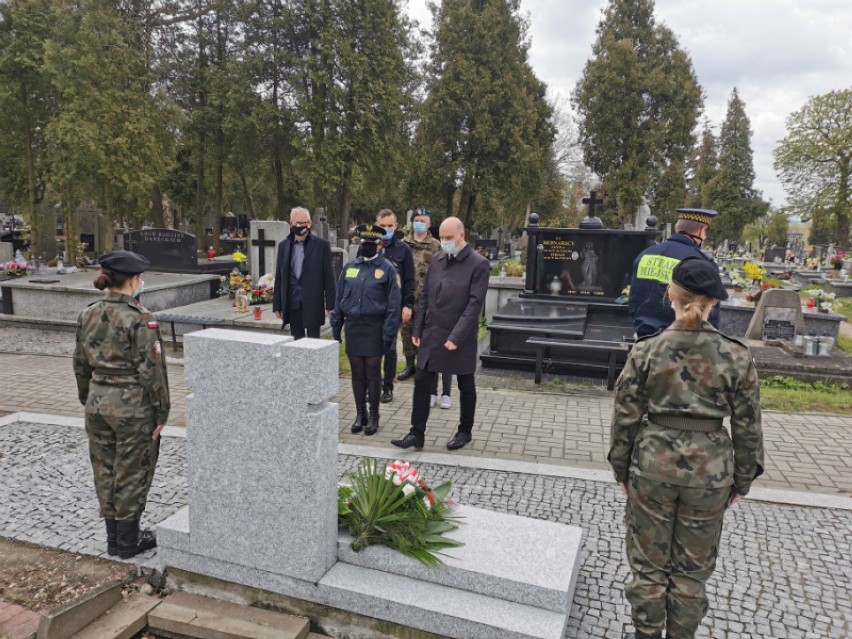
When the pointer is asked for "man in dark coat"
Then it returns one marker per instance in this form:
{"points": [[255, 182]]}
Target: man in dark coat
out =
{"points": [[445, 331], [304, 279]]}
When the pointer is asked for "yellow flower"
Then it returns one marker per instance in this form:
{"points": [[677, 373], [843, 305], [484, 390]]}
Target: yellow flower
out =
{"points": [[238, 256], [753, 272]]}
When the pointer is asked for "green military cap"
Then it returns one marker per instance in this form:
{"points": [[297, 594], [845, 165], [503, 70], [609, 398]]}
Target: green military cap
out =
{"points": [[126, 262], [421, 211]]}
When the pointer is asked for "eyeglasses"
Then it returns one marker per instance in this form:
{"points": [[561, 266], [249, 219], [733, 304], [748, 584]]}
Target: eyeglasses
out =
{"points": [[301, 224]]}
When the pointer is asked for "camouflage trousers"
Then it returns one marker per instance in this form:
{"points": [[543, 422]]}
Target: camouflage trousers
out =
{"points": [[672, 544], [408, 347], [124, 458]]}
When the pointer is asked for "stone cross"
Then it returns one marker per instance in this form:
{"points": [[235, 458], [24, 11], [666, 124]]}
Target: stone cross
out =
{"points": [[262, 243], [262, 465], [265, 237], [592, 200]]}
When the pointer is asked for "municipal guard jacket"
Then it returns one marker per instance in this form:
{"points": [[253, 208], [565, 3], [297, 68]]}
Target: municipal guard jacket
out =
{"points": [[687, 381], [119, 350], [400, 255], [652, 272], [368, 290], [450, 306]]}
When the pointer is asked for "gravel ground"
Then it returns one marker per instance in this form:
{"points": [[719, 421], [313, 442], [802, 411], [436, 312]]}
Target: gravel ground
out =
{"points": [[783, 571]]}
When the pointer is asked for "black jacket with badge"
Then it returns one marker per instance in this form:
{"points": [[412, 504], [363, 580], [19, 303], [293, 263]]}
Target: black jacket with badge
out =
{"points": [[401, 256], [317, 280], [368, 291], [450, 306]]}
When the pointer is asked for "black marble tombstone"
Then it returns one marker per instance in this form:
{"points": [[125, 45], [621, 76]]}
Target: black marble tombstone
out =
{"points": [[173, 251], [776, 252], [487, 248], [573, 279]]}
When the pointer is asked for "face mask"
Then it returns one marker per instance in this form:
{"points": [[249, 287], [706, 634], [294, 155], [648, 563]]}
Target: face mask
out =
{"points": [[389, 234], [300, 230], [141, 288], [419, 227], [369, 250], [449, 247]]}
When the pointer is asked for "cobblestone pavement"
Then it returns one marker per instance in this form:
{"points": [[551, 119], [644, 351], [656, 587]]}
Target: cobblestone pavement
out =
{"points": [[809, 452], [783, 571]]}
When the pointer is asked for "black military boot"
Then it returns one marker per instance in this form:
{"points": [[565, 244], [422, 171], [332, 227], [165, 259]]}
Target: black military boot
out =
{"points": [[359, 390], [131, 540], [373, 420], [642, 635], [408, 371], [112, 543]]}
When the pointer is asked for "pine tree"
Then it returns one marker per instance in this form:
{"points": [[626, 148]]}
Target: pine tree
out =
{"points": [[638, 103], [701, 167], [730, 191]]}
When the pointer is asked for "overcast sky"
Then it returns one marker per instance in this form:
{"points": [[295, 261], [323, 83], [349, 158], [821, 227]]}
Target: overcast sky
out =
{"points": [[778, 53]]}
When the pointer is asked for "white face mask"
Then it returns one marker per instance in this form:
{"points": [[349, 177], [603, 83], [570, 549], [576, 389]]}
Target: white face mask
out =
{"points": [[141, 289], [449, 247]]}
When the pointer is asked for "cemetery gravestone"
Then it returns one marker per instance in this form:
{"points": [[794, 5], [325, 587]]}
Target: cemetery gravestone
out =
{"points": [[320, 224], [263, 247], [166, 249], [337, 257], [776, 253], [778, 312], [89, 224], [6, 252]]}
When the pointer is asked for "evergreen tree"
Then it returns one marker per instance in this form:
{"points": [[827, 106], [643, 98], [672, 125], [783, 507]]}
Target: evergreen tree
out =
{"points": [[814, 163], [730, 191], [638, 103], [701, 167], [485, 133]]}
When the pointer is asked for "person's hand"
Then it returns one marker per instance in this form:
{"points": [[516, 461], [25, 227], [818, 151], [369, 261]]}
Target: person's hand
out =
{"points": [[406, 314], [449, 345], [279, 314], [416, 341], [623, 485], [329, 312], [157, 431], [735, 498]]}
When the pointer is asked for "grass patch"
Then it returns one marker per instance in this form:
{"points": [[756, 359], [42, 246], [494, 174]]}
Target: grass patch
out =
{"points": [[792, 395], [844, 343]]}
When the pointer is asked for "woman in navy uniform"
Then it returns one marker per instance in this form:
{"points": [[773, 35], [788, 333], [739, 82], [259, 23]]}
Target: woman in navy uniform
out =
{"points": [[368, 308], [122, 381]]}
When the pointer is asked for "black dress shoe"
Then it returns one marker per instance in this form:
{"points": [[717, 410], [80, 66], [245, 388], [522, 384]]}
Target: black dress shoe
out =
{"points": [[372, 424], [387, 396], [360, 421], [408, 371], [459, 440], [407, 442]]}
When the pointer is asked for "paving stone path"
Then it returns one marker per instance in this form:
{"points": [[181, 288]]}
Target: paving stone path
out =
{"points": [[783, 571], [809, 452]]}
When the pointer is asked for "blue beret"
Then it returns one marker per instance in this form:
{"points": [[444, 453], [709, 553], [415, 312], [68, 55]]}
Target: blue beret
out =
{"points": [[126, 262]]}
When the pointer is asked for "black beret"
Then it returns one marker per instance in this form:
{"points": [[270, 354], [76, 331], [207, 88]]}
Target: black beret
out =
{"points": [[126, 262], [701, 277], [370, 232]]}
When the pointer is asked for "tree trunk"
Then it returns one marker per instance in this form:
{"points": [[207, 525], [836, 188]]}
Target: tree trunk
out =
{"points": [[199, 191], [157, 207], [451, 194], [277, 162], [32, 192], [468, 214], [70, 231], [841, 213], [345, 201], [249, 198]]}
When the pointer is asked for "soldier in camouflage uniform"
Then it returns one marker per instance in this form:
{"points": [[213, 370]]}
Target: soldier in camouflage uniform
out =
{"points": [[423, 247], [122, 382], [678, 466]]}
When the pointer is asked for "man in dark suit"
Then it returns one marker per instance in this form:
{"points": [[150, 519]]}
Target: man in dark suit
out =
{"points": [[304, 278], [446, 328]]}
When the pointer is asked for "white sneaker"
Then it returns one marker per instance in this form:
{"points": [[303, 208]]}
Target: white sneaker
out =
{"points": [[433, 399], [445, 401]]}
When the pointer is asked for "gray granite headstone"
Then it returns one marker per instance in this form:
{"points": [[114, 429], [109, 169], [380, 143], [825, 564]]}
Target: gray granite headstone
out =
{"points": [[264, 250], [6, 252], [262, 450], [778, 305]]}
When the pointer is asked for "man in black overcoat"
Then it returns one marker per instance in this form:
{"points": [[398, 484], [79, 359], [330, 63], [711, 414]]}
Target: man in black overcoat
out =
{"points": [[304, 278], [446, 329]]}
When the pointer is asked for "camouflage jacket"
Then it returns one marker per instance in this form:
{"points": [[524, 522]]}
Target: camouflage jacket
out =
{"points": [[119, 361], [697, 373], [423, 252]]}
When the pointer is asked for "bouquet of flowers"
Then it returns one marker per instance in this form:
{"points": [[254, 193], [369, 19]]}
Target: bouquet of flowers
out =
{"points": [[17, 267], [822, 300], [394, 506], [753, 272]]}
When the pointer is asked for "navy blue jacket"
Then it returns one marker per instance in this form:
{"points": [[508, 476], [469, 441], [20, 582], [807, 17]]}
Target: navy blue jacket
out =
{"points": [[317, 280], [368, 290], [652, 272], [400, 255]]}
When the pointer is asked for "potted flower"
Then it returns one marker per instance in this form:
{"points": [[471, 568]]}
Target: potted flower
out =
{"points": [[241, 259]]}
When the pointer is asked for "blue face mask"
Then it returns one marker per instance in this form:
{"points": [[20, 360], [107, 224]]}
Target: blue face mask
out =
{"points": [[419, 227], [389, 234]]}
